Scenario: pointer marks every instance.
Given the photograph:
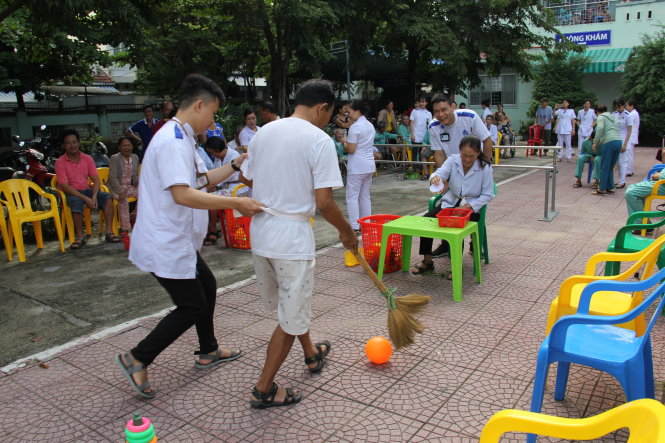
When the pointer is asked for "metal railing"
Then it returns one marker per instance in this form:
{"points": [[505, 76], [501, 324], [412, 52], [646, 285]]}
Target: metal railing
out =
{"points": [[581, 11], [550, 211]]}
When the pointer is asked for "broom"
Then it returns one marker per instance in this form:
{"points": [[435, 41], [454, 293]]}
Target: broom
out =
{"points": [[402, 325]]}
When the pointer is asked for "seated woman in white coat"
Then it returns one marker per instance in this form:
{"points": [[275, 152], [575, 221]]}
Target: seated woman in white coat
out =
{"points": [[468, 183]]}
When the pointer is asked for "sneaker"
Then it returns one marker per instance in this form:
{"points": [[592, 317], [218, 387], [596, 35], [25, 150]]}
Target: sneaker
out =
{"points": [[440, 251]]}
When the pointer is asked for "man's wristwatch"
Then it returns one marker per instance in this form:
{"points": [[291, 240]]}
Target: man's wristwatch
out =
{"points": [[234, 166]]}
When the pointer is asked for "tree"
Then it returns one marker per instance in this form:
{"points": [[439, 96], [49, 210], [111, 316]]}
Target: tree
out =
{"points": [[448, 44], [53, 40], [560, 77], [642, 81]]}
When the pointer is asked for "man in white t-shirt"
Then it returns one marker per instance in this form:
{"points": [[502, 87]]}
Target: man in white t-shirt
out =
{"points": [[293, 169], [631, 106], [565, 129], [585, 119], [169, 231], [420, 118], [450, 125], [486, 109]]}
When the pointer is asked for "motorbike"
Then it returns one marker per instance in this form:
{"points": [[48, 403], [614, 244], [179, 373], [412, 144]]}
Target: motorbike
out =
{"points": [[97, 150]]}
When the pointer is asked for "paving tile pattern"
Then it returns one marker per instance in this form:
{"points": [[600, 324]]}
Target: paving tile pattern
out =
{"points": [[475, 358]]}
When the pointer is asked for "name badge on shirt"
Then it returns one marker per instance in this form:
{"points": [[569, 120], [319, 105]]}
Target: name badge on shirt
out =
{"points": [[444, 137], [201, 180]]}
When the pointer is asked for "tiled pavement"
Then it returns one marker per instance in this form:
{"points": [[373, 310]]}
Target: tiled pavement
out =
{"points": [[476, 357]]}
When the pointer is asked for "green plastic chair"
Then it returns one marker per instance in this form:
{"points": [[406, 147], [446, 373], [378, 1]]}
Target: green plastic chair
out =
{"points": [[626, 241], [482, 230]]}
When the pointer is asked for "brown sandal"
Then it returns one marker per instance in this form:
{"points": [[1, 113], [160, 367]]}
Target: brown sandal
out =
{"points": [[577, 185], [597, 192], [423, 268]]}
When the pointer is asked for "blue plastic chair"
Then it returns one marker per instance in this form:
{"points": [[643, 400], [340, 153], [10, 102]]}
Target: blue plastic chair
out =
{"points": [[594, 341], [656, 168]]}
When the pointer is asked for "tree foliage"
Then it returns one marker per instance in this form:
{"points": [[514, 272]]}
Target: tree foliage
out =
{"points": [[51, 40], [643, 82], [560, 77]]}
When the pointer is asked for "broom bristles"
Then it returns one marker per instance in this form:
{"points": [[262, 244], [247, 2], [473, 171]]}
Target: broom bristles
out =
{"points": [[402, 325]]}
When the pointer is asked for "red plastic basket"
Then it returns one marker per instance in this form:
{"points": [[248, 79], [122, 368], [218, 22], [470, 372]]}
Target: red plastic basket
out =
{"points": [[453, 217], [238, 230], [371, 228]]}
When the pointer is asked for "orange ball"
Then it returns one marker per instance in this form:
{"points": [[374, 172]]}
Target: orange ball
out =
{"points": [[378, 350]]}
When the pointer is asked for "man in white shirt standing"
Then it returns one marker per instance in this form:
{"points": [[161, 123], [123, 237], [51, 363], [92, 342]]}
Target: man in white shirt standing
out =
{"points": [[585, 118], [169, 231], [293, 169], [565, 129], [624, 122], [631, 106], [420, 118]]}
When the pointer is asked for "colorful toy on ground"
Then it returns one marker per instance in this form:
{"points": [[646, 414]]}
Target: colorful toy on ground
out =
{"points": [[378, 350], [140, 430]]}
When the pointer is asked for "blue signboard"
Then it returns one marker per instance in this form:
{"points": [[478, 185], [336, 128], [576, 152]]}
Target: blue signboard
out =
{"points": [[592, 38]]}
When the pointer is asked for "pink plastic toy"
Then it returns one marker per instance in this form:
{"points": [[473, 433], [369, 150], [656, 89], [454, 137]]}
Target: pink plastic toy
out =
{"points": [[140, 430]]}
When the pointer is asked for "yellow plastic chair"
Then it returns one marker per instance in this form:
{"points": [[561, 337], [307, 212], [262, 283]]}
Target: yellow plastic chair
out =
{"points": [[607, 302], [497, 149], [650, 199], [103, 174], [67, 220], [644, 418], [6, 235], [15, 196]]}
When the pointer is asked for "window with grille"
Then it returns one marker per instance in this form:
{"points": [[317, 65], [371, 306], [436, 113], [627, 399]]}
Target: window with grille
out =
{"points": [[501, 89]]}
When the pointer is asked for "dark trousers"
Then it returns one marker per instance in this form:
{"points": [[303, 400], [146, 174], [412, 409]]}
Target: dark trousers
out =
{"points": [[609, 155], [426, 242], [195, 306]]}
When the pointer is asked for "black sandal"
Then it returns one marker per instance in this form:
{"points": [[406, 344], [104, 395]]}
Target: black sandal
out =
{"points": [[318, 358], [77, 244], [211, 239], [267, 399], [423, 267]]}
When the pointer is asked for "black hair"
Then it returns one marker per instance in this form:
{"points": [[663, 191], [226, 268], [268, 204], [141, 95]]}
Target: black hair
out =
{"points": [[462, 105], [566, 100], [215, 144], [632, 103], [442, 98], [146, 107], [269, 106], [238, 129], [246, 112], [422, 97], [485, 103], [586, 100], [173, 112], [358, 105], [381, 125], [617, 102], [197, 87], [600, 108], [473, 142], [387, 102], [161, 106], [315, 92], [544, 100], [67, 132], [490, 116], [124, 137]]}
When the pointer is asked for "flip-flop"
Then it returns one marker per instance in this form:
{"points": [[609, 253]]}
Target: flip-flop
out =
{"points": [[130, 370], [217, 358]]}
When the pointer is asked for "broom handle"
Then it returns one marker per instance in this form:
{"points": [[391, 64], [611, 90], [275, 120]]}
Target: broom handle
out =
{"points": [[379, 284]]}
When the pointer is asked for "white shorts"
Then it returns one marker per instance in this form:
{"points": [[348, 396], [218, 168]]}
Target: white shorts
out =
{"points": [[286, 286]]}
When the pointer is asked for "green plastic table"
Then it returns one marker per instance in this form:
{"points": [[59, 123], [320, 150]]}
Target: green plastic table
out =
{"points": [[409, 226]]}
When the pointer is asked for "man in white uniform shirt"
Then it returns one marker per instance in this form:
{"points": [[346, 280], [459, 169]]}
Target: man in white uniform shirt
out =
{"points": [[169, 231], [293, 169], [565, 129], [450, 125], [631, 106], [624, 122], [585, 118], [420, 118]]}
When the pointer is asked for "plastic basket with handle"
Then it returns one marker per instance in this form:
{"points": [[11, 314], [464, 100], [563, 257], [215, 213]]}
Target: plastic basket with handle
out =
{"points": [[454, 217], [371, 228]]}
